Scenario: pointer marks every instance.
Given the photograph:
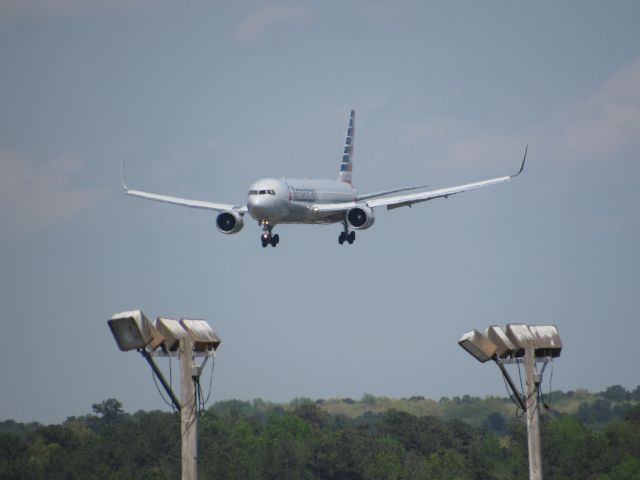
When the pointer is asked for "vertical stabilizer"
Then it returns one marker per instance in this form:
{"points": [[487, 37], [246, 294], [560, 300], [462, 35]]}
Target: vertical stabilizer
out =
{"points": [[346, 167]]}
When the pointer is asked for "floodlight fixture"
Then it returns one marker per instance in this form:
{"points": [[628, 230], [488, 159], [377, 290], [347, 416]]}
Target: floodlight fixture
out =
{"points": [[478, 345], [203, 336], [546, 340], [172, 332], [131, 330], [504, 346], [157, 339], [520, 336]]}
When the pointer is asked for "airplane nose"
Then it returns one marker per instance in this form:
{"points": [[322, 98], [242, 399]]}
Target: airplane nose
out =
{"points": [[259, 207]]}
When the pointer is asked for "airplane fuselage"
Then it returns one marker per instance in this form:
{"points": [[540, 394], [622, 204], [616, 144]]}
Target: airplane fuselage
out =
{"points": [[290, 200]]}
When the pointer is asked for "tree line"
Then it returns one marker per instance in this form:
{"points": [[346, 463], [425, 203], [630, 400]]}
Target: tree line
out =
{"points": [[302, 440]]}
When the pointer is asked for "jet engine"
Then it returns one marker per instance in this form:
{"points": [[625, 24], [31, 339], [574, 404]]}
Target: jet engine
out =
{"points": [[229, 221], [360, 218]]}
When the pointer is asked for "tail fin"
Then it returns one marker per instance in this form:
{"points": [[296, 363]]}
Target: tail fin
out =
{"points": [[346, 167]]}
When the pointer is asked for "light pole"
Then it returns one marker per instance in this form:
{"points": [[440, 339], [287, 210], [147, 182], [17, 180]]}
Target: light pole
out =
{"points": [[519, 343], [188, 340]]}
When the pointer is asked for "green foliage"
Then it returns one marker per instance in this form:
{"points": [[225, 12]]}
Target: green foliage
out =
{"points": [[616, 393], [496, 423], [447, 465], [110, 410], [20, 430], [303, 440], [598, 412]]}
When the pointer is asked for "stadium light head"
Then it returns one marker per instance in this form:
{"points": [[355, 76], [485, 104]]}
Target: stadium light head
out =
{"points": [[157, 337], [546, 340], [478, 345], [504, 346], [203, 336], [171, 331], [131, 330], [520, 335]]}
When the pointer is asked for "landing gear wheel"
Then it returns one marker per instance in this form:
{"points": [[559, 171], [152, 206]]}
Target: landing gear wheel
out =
{"points": [[264, 238], [275, 240], [342, 237], [351, 238]]}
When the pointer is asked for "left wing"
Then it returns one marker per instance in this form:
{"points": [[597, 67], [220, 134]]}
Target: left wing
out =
{"points": [[184, 202], [388, 192], [407, 200]]}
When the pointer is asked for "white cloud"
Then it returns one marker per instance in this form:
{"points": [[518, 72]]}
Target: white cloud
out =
{"points": [[594, 128], [608, 120], [36, 195], [269, 17]]}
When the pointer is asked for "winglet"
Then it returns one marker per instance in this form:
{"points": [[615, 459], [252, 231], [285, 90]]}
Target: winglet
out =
{"points": [[524, 159], [124, 185]]}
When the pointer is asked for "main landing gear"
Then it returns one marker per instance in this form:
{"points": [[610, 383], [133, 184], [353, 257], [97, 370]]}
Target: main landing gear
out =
{"points": [[346, 236], [267, 238]]}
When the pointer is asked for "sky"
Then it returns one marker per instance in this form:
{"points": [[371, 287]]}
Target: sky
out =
{"points": [[203, 98]]}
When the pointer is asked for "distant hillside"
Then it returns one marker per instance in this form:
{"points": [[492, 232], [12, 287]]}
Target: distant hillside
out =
{"points": [[592, 409]]}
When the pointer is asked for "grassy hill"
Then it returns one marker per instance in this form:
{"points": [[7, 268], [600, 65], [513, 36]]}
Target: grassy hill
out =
{"points": [[592, 409]]}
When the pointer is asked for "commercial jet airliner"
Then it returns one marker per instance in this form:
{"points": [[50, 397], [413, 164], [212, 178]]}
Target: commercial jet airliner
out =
{"points": [[272, 201]]}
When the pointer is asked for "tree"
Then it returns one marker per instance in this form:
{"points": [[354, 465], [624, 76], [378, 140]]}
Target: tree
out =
{"points": [[13, 459], [447, 465], [627, 469], [633, 415], [369, 399], [616, 393], [569, 450], [109, 410], [285, 443], [496, 423], [596, 413], [384, 460]]}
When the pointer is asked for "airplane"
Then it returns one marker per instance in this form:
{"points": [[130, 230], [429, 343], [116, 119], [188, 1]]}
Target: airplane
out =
{"points": [[273, 201]]}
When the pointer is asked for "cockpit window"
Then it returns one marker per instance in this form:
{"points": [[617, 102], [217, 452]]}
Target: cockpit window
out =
{"points": [[262, 192]]}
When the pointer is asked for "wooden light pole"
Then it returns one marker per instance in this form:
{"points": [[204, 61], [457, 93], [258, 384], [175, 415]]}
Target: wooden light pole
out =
{"points": [[533, 414], [188, 412]]}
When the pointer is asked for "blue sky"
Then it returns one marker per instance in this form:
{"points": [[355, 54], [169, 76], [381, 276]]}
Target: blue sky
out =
{"points": [[203, 98]]}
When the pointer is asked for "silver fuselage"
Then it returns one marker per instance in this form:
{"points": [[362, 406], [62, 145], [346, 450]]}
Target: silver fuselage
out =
{"points": [[290, 200]]}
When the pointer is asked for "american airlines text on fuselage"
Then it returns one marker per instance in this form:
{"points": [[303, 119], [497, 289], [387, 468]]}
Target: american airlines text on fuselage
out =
{"points": [[300, 194]]}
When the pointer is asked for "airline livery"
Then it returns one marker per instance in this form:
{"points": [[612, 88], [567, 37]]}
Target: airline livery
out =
{"points": [[286, 200]]}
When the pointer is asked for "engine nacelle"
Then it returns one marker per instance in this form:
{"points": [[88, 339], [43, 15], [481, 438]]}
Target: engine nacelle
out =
{"points": [[229, 221], [360, 218]]}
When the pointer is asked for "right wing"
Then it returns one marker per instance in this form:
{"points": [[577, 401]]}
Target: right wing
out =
{"points": [[184, 202], [397, 201]]}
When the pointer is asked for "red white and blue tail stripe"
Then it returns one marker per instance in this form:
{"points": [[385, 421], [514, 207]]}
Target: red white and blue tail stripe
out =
{"points": [[346, 167]]}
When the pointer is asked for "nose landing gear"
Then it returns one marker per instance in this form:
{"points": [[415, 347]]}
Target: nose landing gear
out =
{"points": [[267, 238]]}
